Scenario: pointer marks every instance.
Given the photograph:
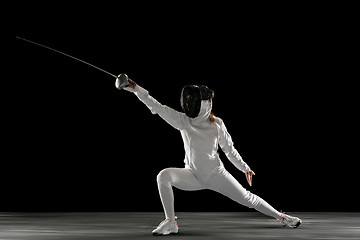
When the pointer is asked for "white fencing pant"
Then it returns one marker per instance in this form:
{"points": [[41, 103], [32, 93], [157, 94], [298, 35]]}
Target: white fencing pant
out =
{"points": [[220, 180]]}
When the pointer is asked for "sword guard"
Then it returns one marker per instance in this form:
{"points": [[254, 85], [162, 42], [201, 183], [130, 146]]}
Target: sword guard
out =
{"points": [[122, 81]]}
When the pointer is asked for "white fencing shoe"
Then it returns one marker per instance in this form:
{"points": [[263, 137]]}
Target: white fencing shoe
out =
{"points": [[292, 222], [166, 227]]}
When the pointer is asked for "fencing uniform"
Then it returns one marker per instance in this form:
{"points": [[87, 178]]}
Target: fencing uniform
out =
{"points": [[203, 166]]}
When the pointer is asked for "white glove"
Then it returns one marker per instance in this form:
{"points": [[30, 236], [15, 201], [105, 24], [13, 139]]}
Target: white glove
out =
{"points": [[129, 89]]}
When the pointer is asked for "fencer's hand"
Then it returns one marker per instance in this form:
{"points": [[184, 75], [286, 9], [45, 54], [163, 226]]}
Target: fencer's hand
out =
{"points": [[131, 84], [130, 87], [249, 177]]}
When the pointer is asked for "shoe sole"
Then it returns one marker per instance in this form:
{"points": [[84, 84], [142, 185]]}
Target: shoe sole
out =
{"points": [[297, 224], [161, 234]]}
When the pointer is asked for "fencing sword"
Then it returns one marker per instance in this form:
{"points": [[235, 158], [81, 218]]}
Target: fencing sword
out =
{"points": [[123, 78]]}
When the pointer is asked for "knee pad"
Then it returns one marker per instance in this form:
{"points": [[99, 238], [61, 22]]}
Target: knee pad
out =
{"points": [[164, 178]]}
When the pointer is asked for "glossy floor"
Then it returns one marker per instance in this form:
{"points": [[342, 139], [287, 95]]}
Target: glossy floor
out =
{"points": [[192, 225]]}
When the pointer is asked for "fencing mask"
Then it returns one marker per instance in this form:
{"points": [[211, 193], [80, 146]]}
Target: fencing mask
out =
{"points": [[191, 96]]}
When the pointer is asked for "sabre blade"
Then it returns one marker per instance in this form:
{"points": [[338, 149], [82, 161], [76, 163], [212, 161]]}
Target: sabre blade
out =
{"points": [[41, 45]]}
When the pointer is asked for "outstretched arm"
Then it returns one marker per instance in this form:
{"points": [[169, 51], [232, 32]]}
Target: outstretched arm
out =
{"points": [[231, 153], [174, 118]]}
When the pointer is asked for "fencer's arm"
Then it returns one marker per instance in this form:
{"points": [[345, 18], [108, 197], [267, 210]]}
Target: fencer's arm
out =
{"points": [[174, 118], [228, 148]]}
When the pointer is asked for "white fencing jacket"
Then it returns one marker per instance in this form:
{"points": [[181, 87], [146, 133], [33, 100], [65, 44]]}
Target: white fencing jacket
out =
{"points": [[201, 137]]}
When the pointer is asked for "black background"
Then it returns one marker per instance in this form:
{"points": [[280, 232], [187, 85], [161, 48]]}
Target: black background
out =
{"points": [[282, 81]]}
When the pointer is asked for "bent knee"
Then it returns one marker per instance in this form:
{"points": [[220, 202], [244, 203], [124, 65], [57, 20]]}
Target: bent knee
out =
{"points": [[164, 177]]}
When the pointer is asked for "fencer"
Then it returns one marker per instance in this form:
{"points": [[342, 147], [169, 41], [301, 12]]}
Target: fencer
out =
{"points": [[202, 133]]}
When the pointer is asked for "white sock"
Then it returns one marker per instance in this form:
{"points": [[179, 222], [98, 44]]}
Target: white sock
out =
{"points": [[265, 208], [167, 200]]}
